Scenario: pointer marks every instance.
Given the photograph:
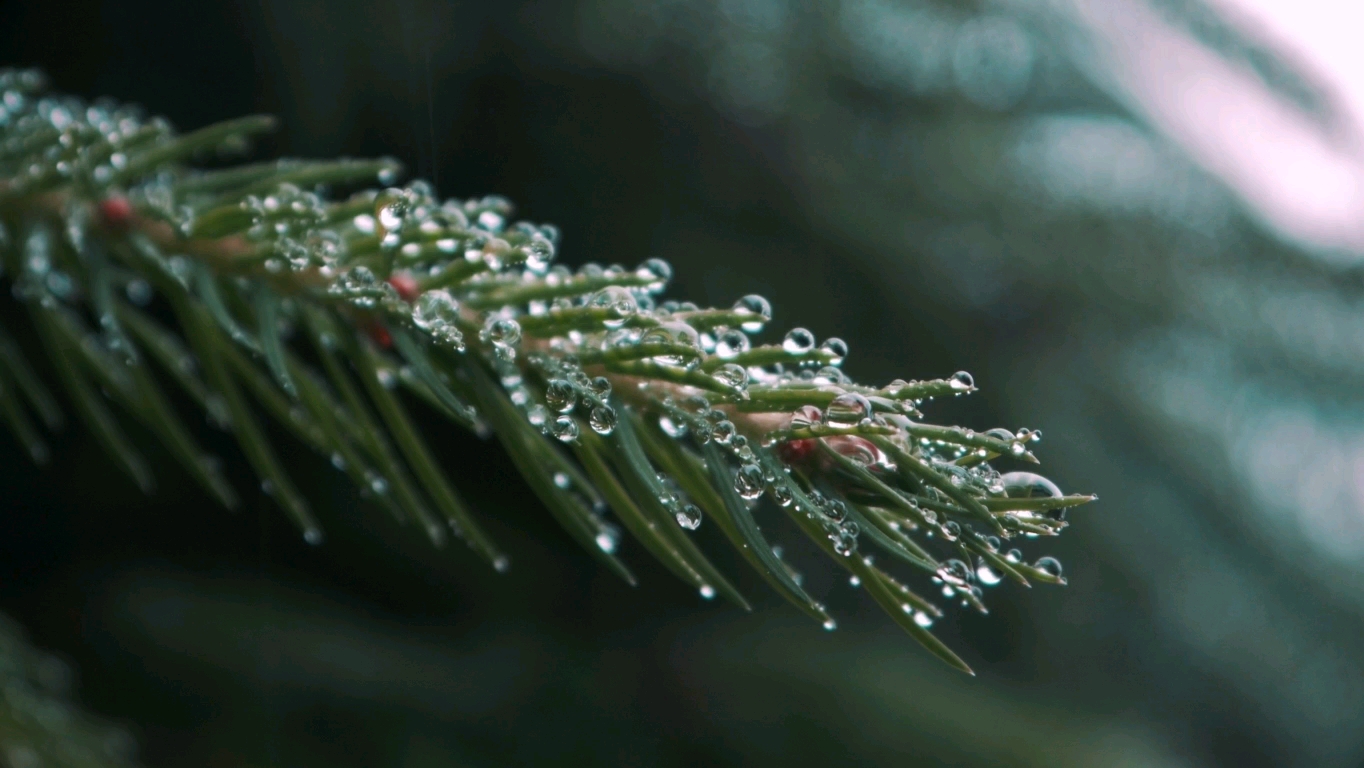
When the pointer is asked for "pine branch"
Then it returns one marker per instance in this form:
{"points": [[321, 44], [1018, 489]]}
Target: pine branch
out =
{"points": [[606, 398]]}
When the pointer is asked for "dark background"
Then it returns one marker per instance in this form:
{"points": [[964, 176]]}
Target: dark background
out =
{"points": [[759, 147]]}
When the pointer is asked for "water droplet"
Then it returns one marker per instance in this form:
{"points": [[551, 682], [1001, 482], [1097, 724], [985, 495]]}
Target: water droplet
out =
{"points": [[830, 625], [503, 334], [961, 381], [707, 592], [139, 292], [732, 374], [688, 516], [619, 304], [836, 348], [780, 494], [606, 541], [561, 396], [749, 481], [923, 619], [798, 341], [657, 271], [313, 536], [730, 343], [722, 432], [561, 479], [601, 387], [537, 415], [1001, 434], [1028, 485], [986, 575], [847, 410], [670, 427], [806, 416], [951, 530], [1049, 565], [758, 308], [602, 419], [955, 570], [565, 428]]}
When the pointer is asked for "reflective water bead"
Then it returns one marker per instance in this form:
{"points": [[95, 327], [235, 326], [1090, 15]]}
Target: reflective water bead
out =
{"points": [[538, 415], [748, 481], [1049, 565], [657, 271], [847, 410], [758, 307], [730, 343], [601, 387], [961, 381], [670, 427], [987, 575], [806, 416], [619, 304], [561, 479], [722, 432], [1014, 555], [1001, 434], [836, 348], [565, 428], [798, 341], [955, 570], [602, 419], [923, 619], [501, 331], [434, 310], [1028, 485], [688, 516], [780, 494], [732, 375], [561, 395]]}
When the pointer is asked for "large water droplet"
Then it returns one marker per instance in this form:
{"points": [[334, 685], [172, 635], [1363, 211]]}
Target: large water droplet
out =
{"points": [[565, 428], [961, 381], [1028, 485], [836, 348], [806, 416], [561, 395], [688, 516], [671, 427], [730, 343], [986, 575], [602, 419], [798, 341], [619, 304], [732, 374], [722, 432], [1049, 565], [847, 410], [759, 310], [749, 481]]}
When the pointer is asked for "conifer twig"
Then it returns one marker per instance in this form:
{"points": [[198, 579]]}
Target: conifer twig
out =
{"points": [[663, 413]]}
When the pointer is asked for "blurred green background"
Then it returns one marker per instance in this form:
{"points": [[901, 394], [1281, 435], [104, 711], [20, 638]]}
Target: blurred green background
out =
{"points": [[947, 185]]}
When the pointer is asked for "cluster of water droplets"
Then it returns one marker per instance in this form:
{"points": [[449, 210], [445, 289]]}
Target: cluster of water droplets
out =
{"points": [[49, 140]]}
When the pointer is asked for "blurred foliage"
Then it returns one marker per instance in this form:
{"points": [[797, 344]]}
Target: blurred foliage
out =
{"points": [[1203, 373]]}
